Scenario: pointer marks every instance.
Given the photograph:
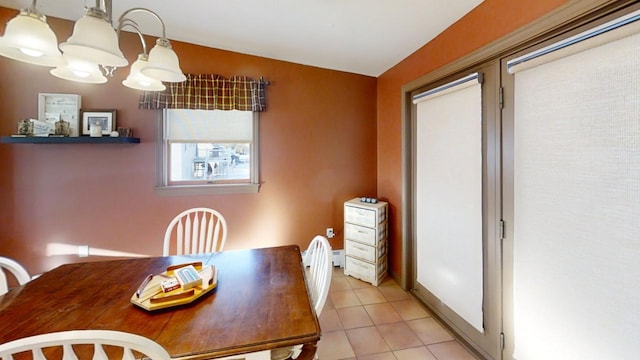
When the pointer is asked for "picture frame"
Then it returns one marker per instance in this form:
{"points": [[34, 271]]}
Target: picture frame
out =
{"points": [[54, 107], [106, 119]]}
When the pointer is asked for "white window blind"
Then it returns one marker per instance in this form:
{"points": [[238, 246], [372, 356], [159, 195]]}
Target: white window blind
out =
{"points": [[209, 125], [449, 196], [577, 199]]}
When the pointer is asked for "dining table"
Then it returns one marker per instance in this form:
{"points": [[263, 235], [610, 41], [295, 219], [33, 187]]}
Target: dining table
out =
{"points": [[261, 302]]}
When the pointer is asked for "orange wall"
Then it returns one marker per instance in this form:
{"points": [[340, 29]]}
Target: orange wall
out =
{"points": [[317, 147], [488, 22]]}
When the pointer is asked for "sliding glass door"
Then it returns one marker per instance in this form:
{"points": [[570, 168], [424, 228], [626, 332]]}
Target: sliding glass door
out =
{"points": [[456, 204], [574, 193]]}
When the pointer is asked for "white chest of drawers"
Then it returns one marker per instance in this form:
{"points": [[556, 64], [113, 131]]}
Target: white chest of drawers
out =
{"points": [[365, 240]]}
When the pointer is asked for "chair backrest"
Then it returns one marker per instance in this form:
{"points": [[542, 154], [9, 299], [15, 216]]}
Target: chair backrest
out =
{"points": [[15, 269], [319, 259], [98, 338], [196, 231]]}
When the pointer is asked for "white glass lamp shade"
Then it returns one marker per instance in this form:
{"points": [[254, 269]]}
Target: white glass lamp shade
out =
{"points": [[136, 80], [28, 38], [94, 40], [79, 70], [163, 63]]}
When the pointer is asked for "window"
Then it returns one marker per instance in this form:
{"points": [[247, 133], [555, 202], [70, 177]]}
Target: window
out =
{"points": [[208, 151]]}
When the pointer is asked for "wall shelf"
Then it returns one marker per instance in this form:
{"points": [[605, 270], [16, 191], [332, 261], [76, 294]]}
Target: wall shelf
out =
{"points": [[68, 140]]}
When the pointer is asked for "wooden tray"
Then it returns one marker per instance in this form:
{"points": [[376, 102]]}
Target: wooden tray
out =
{"points": [[150, 296]]}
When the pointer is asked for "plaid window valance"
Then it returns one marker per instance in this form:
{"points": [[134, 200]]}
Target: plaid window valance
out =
{"points": [[209, 92]]}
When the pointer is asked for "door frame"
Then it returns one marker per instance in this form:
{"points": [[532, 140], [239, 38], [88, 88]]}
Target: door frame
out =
{"points": [[565, 18], [486, 343]]}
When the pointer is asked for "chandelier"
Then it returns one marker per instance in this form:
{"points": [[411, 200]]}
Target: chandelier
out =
{"points": [[92, 52]]}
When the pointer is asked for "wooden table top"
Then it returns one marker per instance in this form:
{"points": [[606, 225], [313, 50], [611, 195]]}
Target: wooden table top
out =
{"points": [[261, 302]]}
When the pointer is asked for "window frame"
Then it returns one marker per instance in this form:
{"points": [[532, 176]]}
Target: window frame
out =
{"points": [[162, 186]]}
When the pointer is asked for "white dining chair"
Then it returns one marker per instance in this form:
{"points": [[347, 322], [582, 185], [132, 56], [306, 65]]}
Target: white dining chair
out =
{"points": [[195, 231], [98, 338], [318, 258], [14, 268]]}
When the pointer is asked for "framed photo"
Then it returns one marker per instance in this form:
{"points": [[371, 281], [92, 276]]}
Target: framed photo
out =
{"points": [[53, 108], [105, 118]]}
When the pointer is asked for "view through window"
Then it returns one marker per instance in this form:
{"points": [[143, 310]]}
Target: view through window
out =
{"points": [[229, 162]]}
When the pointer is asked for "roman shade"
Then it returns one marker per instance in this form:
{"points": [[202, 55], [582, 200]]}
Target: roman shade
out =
{"points": [[202, 125]]}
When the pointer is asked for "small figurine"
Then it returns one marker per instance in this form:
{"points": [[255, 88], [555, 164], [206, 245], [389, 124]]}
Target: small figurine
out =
{"points": [[62, 128], [25, 127]]}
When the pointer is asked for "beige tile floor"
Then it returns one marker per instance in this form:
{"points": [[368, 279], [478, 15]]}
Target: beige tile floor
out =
{"points": [[364, 322]]}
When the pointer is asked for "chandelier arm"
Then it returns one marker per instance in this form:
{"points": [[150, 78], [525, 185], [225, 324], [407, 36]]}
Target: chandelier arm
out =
{"points": [[132, 10], [33, 12], [134, 25], [104, 6], [107, 8]]}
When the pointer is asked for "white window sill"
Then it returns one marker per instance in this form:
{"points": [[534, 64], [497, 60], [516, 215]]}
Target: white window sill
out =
{"points": [[186, 190]]}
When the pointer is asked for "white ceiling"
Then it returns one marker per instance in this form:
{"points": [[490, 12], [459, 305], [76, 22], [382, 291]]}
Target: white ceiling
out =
{"points": [[360, 36]]}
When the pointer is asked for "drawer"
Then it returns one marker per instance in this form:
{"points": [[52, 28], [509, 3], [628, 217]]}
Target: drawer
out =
{"points": [[360, 269], [359, 216], [365, 271], [365, 252], [360, 233], [365, 235]]}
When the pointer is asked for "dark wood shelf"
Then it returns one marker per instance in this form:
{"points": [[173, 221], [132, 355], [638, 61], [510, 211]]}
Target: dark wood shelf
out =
{"points": [[69, 140]]}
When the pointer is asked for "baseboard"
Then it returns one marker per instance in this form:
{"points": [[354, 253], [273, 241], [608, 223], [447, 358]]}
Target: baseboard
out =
{"points": [[337, 258]]}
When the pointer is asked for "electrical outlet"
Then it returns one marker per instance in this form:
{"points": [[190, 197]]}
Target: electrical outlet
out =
{"points": [[330, 233]]}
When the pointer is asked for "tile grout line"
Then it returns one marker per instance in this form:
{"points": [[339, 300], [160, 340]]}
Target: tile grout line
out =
{"points": [[350, 287]]}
